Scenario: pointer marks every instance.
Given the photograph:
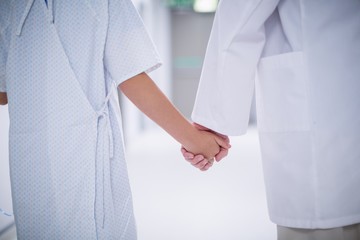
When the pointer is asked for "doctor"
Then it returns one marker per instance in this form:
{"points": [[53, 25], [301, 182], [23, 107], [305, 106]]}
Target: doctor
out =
{"points": [[306, 55]]}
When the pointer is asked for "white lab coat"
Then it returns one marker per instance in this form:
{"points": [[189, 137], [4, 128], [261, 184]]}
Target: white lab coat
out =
{"points": [[60, 66], [306, 55]]}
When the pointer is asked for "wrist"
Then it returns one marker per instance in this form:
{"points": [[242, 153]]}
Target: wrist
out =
{"points": [[190, 137]]}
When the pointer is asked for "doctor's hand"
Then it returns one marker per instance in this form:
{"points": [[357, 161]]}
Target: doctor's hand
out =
{"points": [[199, 160], [206, 145]]}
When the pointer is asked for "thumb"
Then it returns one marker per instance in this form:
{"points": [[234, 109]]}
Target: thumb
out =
{"points": [[222, 142], [186, 154]]}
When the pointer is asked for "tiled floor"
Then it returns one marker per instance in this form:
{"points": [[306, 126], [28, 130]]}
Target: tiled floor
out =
{"points": [[174, 201]]}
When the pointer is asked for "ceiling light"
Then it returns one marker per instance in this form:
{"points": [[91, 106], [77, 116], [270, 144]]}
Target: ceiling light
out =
{"points": [[205, 6]]}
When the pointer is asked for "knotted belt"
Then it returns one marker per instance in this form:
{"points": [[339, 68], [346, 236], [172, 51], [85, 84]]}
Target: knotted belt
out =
{"points": [[104, 135]]}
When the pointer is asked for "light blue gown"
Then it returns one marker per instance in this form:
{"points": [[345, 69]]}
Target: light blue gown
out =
{"points": [[60, 65]]}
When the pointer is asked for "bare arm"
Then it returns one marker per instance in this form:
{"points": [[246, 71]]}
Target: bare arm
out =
{"points": [[3, 98], [144, 93]]}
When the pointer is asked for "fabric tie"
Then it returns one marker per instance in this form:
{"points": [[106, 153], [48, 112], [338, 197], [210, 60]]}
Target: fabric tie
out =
{"points": [[103, 115], [5, 213]]}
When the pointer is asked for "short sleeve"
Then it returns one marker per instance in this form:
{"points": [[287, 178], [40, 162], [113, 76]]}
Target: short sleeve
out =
{"points": [[129, 49]]}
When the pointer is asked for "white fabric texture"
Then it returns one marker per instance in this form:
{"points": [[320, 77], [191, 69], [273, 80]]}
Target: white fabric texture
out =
{"points": [[306, 57], [68, 171]]}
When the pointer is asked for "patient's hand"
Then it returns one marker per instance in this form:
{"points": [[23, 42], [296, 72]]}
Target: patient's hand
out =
{"points": [[199, 160]]}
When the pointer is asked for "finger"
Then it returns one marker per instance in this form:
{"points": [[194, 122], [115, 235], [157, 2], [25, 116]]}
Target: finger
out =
{"points": [[187, 155], [190, 156], [226, 138], [205, 164], [200, 127], [201, 164], [197, 159], [203, 128], [222, 154], [222, 142], [207, 167], [211, 161]]}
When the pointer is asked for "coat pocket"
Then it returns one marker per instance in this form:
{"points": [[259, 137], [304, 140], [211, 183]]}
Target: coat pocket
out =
{"points": [[282, 99]]}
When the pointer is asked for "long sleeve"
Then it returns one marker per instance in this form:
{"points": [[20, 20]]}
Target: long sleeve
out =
{"points": [[227, 81]]}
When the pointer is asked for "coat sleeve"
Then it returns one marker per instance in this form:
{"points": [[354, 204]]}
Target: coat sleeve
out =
{"points": [[129, 49], [226, 85]]}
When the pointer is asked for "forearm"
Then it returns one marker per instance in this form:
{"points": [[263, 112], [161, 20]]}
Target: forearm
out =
{"points": [[3, 98], [144, 93]]}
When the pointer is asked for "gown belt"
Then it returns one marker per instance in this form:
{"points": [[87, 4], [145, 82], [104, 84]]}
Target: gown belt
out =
{"points": [[5, 213], [106, 132]]}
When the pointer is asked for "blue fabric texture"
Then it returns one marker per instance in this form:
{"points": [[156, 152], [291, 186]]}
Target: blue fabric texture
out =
{"points": [[68, 170]]}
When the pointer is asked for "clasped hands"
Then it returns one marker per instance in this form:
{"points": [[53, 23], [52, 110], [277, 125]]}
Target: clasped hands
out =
{"points": [[212, 146]]}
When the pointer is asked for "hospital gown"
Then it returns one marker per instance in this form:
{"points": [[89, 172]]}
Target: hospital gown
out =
{"points": [[60, 65]]}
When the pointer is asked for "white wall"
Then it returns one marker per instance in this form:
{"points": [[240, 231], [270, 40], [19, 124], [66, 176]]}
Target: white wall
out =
{"points": [[190, 34], [156, 17]]}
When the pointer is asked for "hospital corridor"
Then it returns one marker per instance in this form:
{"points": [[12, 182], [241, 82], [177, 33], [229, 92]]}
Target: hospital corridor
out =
{"points": [[102, 95], [174, 201]]}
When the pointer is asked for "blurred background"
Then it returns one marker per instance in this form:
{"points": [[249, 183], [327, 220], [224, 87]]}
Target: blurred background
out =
{"points": [[172, 199]]}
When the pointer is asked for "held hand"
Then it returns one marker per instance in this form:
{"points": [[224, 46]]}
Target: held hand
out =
{"points": [[223, 151], [199, 160], [209, 145]]}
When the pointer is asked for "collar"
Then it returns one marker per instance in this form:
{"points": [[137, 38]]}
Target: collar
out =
{"points": [[27, 10]]}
